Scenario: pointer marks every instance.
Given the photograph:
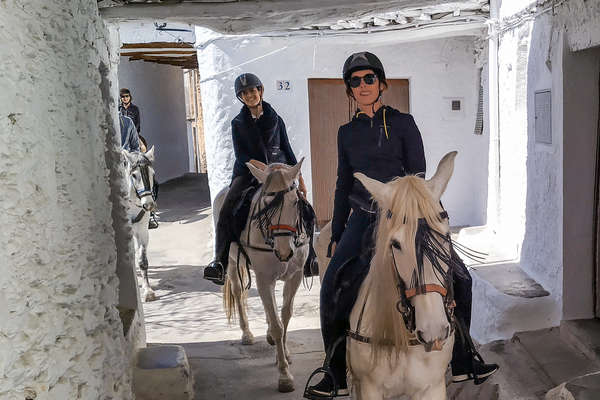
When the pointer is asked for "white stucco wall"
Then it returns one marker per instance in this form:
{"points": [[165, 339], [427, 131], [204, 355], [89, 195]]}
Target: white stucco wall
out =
{"points": [[60, 332], [530, 189], [436, 69], [158, 90]]}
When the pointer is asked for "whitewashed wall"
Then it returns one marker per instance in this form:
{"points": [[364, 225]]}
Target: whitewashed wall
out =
{"points": [[437, 69], [158, 90], [530, 189], [60, 332]]}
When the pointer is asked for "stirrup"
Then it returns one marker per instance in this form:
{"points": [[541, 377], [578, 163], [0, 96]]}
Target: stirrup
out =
{"points": [[220, 278], [326, 371]]}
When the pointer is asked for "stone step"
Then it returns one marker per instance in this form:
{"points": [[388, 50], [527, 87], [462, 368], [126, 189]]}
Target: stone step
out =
{"points": [[163, 372], [584, 335], [559, 361], [585, 387], [506, 300]]}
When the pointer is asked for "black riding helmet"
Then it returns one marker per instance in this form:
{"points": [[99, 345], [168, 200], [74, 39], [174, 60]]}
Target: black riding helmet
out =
{"points": [[361, 61], [246, 81]]}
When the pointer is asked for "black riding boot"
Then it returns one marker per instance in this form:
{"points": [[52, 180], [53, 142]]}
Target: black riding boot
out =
{"points": [[466, 363], [217, 269]]}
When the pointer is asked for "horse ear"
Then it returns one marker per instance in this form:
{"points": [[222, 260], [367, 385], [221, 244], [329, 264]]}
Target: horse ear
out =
{"points": [[257, 173], [437, 184], [378, 190], [127, 156], [292, 173], [150, 154]]}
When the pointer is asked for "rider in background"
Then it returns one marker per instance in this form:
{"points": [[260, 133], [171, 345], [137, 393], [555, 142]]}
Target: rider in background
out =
{"points": [[129, 136], [382, 143], [259, 136]]}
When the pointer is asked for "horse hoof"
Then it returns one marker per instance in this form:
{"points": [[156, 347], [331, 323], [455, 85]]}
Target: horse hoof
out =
{"points": [[150, 296], [247, 339], [286, 385], [270, 340]]}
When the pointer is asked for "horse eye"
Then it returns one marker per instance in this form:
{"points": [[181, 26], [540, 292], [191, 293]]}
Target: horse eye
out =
{"points": [[396, 245]]}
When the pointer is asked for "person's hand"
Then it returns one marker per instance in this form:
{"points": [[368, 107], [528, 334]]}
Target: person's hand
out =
{"points": [[302, 187]]}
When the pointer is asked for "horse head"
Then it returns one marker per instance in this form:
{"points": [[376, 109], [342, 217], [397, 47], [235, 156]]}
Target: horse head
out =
{"points": [[141, 177], [412, 261], [277, 213]]}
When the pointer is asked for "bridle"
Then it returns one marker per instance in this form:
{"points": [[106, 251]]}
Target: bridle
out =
{"points": [[429, 244], [268, 220], [143, 166]]}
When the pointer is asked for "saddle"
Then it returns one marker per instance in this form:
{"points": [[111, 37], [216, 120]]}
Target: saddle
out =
{"points": [[241, 210]]}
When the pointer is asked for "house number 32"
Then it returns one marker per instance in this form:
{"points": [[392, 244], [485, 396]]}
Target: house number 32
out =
{"points": [[283, 85]]}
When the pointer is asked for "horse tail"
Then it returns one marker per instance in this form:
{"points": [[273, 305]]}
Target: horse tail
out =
{"points": [[230, 302]]}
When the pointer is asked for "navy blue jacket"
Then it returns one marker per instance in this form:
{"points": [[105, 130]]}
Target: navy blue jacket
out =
{"points": [[129, 136], [363, 146], [132, 112], [264, 139]]}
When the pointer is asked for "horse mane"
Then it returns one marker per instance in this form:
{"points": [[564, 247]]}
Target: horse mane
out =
{"points": [[138, 158], [411, 200]]}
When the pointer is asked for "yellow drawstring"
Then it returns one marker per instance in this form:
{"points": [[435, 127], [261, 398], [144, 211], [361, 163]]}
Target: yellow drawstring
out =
{"points": [[387, 135], [385, 125]]}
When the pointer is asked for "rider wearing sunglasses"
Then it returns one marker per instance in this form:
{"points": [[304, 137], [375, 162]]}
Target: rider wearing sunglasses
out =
{"points": [[382, 143], [259, 137]]}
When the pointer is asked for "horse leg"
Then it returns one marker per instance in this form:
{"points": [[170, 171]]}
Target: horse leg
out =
{"points": [[240, 301], [366, 390], [433, 392], [266, 290], [141, 244], [290, 288]]}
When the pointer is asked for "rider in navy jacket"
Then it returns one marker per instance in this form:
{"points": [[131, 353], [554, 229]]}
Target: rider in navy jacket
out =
{"points": [[258, 134], [382, 143], [382, 149], [264, 139]]}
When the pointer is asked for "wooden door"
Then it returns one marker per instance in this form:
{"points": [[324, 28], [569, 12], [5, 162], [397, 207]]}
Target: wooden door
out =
{"points": [[329, 107]]}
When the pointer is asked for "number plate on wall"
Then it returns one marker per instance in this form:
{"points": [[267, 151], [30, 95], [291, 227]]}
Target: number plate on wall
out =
{"points": [[283, 85]]}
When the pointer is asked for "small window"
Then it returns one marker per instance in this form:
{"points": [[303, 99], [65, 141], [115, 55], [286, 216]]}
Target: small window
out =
{"points": [[455, 105], [543, 117]]}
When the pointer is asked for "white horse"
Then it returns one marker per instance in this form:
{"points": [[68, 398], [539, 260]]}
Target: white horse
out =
{"points": [[401, 327], [141, 180], [277, 249]]}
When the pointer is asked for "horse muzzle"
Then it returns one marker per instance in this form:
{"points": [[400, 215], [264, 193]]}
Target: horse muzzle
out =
{"points": [[284, 259]]}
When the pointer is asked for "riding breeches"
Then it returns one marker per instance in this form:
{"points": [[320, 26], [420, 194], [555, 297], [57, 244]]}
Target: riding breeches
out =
{"points": [[346, 271], [224, 230]]}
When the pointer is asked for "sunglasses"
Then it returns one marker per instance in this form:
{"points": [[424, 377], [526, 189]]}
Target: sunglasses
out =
{"points": [[125, 96], [368, 78]]}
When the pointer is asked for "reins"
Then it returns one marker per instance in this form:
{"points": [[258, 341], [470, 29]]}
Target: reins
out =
{"points": [[263, 218]]}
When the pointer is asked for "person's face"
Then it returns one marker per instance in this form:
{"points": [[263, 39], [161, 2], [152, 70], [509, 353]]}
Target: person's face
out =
{"points": [[365, 86], [125, 98], [251, 97]]}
